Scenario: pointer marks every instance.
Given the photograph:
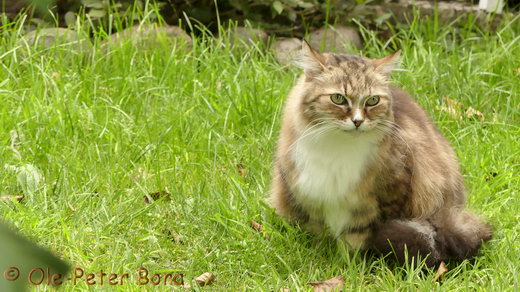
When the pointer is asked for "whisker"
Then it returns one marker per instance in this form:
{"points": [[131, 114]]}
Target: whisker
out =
{"points": [[315, 131], [393, 131]]}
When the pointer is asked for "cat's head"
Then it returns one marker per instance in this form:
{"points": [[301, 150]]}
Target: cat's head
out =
{"points": [[349, 93]]}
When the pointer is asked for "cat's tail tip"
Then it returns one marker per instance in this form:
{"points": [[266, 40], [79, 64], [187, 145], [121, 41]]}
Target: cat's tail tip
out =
{"points": [[452, 235]]}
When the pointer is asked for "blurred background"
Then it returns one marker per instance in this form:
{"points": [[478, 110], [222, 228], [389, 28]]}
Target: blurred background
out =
{"points": [[280, 17]]}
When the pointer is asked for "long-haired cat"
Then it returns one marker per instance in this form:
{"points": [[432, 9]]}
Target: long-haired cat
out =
{"points": [[358, 157]]}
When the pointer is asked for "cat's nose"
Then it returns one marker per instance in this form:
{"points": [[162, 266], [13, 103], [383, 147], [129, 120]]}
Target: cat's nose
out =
{"points": [[357, 122]]}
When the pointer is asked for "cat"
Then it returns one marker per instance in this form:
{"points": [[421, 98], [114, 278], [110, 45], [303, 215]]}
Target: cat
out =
{"points": [[358, 158]]}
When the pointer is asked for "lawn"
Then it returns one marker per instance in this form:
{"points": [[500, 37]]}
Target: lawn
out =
{"points": [[91, 139]]}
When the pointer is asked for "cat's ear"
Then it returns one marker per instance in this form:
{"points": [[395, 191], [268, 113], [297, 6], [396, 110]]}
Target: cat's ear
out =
{"points": [[387, 64], [312, 62]]}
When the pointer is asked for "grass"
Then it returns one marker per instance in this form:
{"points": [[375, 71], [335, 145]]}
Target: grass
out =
{"points": [[106, 129]]}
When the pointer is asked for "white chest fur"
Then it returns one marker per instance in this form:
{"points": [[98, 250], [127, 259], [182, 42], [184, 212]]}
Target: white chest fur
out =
{"points": [[330, 167]]}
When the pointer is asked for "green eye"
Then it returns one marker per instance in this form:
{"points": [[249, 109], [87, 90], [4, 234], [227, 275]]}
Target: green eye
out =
{"points": [[373, 100], [338, 98]]}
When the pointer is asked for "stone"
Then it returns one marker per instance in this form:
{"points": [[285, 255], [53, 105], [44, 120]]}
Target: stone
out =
{"points": [[248, 35], [147, 35], [448, 12], [52, 37], [286, 51], [340, 39]]}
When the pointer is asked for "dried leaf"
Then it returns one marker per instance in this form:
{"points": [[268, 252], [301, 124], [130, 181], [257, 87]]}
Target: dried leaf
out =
{"points": [[471, 112], [451, 112], [451, 103], [205, 279], [454, 108], [18, 198], [442, 269], [177, 238], [257, 226], [334, 284], [156, 196], [284, 290], [260, 228], [241, 170]]}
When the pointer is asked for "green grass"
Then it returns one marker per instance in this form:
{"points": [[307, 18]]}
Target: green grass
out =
{"points": [[106, 129]]}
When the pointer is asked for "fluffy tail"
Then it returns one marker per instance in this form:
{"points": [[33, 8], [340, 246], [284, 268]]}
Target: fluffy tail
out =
{"points": [[449, 235]]}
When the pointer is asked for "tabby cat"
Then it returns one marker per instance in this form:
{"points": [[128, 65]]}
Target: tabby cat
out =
{"points": [[359, 158]]}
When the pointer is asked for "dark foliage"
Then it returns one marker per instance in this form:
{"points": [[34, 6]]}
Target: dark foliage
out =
{"points": [[279, 16]]}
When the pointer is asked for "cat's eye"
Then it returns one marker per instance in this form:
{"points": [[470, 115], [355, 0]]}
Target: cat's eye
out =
{"points": [[338, 98], [373, 100]]}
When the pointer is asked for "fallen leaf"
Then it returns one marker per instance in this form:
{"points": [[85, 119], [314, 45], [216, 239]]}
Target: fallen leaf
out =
{"points": [[471, 112], [241, 170], [453, 108], [334, 284], [284, 290], [177, 238], [442, 269], [456, 110], [257, 226], [451, 112], [260, 228], [517, 70], [156, 196], [205, 279], [454, 104], [18, 198]]}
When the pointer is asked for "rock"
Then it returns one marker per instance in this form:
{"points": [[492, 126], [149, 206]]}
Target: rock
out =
{"points": [[335, 39], [448, 12], [248, 35], [286, 51], [51, 37], [146, 35]]}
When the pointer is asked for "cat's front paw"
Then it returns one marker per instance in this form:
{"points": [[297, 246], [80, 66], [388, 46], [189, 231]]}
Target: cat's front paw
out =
{"points": [[357, 240]]}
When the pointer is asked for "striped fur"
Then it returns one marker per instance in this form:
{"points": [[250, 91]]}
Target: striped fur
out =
{"points": [[390, 184]]}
